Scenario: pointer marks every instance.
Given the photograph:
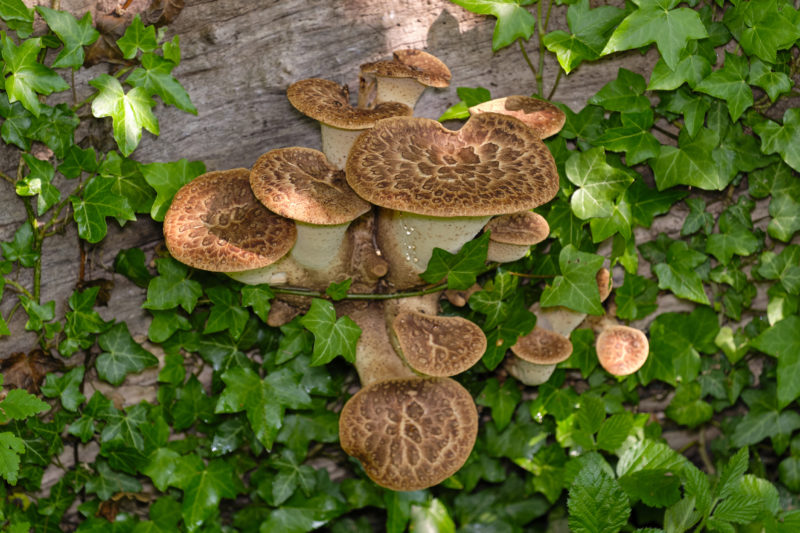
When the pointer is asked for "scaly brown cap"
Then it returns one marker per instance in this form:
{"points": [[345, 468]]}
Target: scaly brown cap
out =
{"points": [[329, 103], [604, 283], [545, 118], [622, 350], [493, 165], [526, 228], [438, 345], [422, 66], [215, 223], [410, 434], [301, 184], [543, 347]]}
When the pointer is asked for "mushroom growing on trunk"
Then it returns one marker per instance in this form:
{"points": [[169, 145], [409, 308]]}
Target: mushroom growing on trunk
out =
{"points": [[403, 79], [541, 116], [512, 235]]}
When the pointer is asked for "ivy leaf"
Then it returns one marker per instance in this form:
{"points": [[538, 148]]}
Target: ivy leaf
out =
{"points": [[172, 287], [636, 298], [687, 408], [18, 17], [599, 183], [764, 418], [773, 82], [18, 120], [128, 181], [55, 127], [502, 400], [26, 76], [469, 97], [460, 269], [338, 291], [620, 221], [73, 33], [737, 240], [332, 336], [166, 179], [633, 137], [203, 487], [590, 31], [691, 163], [157, 79], [258, 297], [66, 387], [491, 301], [783, 266], [678, 274], [657, 21], [264, 401], [98, 202], [108, 482], [783, 342], [692, 67], [513, 21], [597, 503], [81, 322], [78, 160], [131, 264], [624, 94], [38, 183], [122, 355], [226, 314], [130, 112], [37, 314], [730, 84], [576, 287], [137, 37], [762, 29], [783, 139]]}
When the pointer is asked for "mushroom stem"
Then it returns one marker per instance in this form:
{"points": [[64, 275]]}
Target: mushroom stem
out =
{"points": [[336, 143], [404, 90], [318, 246], [537, 354]]}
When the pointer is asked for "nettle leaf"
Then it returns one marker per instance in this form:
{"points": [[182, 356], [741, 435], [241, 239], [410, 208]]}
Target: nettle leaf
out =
{"points": [[590, 29], [576, 287], [26, 77], [130, 112], [678, 273], [11, 447], [597, 503], [73, 33], [19, 405], [264, 401], [782, 139], [730, 84], [122, 355], [332, 336], [782, 341], [599, 183], [633, 137], [773, 82], [624, 94], [656, 21], [156, 78], [166, 179], [98, 202], [137, 37], [762, 29], [460, 269], [513, 20], [691, 163]]}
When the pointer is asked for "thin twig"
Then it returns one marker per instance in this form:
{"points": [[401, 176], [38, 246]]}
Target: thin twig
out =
{"points": [[527, 59], [709, 465]]}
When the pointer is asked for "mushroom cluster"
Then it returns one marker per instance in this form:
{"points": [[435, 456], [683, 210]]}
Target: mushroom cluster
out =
{"points": [[386, 189]]}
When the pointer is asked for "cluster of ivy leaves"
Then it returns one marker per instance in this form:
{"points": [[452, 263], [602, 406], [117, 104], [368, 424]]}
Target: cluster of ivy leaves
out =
{"points": [[242, 433]]}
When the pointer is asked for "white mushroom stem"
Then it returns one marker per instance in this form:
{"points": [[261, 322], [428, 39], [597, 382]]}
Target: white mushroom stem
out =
{"points": [[527, 373], [404, 90], [537, 354], [407, 241], [336, 143], [318, 246], [500, 252]]}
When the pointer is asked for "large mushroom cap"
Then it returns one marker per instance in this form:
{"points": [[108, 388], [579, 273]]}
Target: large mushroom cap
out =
{"points": [[543, 347], [525, 228], [410, 434], [300, 183], [329, 103], [426, 68], [215, 223], [493, 165], [438, 345], [545, 118], [622, 350]]}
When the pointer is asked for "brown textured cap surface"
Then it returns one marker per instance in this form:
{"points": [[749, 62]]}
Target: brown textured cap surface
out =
{"points": [[543, 347], [301, 184], [525, 228], [604, 283], [422, 66], [542, 116], [329, 103], [493, 165], [410, 434], [215, 223], [622, 350], [438, 345]]}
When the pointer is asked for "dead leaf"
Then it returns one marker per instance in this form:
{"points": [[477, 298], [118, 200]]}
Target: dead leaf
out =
{"points": [[27, 371]]}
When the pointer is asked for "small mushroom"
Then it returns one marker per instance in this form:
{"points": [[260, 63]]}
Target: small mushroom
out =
{"points": [[563, 320], [537, 354], [340, 123], [438, 188], [410, 434], [403, 79], [622, 350], [542, 116], [512, 235]]}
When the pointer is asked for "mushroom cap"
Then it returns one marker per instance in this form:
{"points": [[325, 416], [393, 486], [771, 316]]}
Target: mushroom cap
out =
{"points": [[422, 66], [493, 165], [301, 184], [543, 347], [542, 116], [526, 228], [438, 345], [216, 223], [604, 283], [622, 350], [410, 434], [329, 103]]}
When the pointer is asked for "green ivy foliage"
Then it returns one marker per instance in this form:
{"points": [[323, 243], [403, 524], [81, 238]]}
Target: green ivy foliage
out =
{"points": [[243, 433]]}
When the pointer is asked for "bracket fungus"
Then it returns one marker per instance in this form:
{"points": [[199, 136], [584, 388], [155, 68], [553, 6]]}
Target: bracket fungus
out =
{"points": [[537, 354], [512, 235], [401, 79], [542, 116]]}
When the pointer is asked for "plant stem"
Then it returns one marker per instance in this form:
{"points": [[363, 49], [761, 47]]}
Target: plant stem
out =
{"points": [[532, 276], [370, 296], [528, 59], [555, 84], [704, 453], [17, 287], [540, 31]]}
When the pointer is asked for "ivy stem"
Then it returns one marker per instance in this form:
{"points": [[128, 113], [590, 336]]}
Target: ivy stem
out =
{"points": [[528, 60], [391, 296], [704, 453], [555, 84], [17, 287], [532, 276], [540, 31]]}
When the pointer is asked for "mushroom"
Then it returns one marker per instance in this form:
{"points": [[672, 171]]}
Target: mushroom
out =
{"points": [[412, 433], [512, 235], [537, 354], [340, 123], [216, 223], [622, 350], [403, 79], [438, 188], [563, 320], [542, 116]]}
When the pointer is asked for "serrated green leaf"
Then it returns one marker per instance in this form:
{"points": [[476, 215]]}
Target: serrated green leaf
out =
{"points": [[655, 488], [513, 21], [129, 111], [122, 355], [460, 269], [75, 34], [597, 503], [332, 336], [614, 431], [19, 405]]}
